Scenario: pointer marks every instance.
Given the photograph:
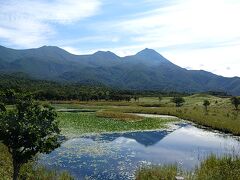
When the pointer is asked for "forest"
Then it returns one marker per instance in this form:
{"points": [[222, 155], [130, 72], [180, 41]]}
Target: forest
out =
{"points": [[20, 84]]}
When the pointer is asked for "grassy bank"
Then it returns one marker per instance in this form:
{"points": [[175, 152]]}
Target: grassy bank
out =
{"points": [[221, 119], [29, 171], [213, 168], [167, 172]]}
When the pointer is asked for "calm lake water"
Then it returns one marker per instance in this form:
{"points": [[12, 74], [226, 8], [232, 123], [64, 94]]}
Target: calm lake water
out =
{"points": [[119, 155]]}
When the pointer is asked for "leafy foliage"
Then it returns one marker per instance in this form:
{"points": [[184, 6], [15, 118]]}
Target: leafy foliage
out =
{"points": [[18, 84], [29, 129], [178, 101], [206, 103], [160, 98], [236, 102]]}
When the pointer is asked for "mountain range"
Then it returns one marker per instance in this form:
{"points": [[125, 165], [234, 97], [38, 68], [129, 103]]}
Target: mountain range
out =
{"points": [[146, 70]]}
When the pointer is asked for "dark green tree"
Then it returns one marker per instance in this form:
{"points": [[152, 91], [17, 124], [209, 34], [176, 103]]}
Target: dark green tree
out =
{"points": [[236, 102], [178, 101], [206, 103], [29, 129], [160, 98], [2, 108], [136, 98], [10, 96]]}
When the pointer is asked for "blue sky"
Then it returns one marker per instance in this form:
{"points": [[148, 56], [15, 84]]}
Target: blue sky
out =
{"points": [[194, 34]]}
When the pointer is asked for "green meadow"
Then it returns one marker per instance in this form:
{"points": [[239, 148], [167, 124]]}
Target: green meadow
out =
{"points": [[111, 116]]}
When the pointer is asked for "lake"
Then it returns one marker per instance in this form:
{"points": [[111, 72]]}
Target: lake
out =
{"points": [[119, 155]]}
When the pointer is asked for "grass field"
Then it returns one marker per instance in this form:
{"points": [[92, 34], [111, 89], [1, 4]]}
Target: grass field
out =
{"points": [[221, 114], [213, 168], [29, 171]]}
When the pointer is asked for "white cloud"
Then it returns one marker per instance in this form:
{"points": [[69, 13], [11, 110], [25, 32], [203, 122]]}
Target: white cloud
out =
{"points": [[189, 32], [217, 60], [30, 23], [72, 50], [88, 39], [60, 11], [27, 33], [187, 21]]}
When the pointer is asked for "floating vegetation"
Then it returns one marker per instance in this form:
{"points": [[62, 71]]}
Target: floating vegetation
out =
{"points": [[77, 124], [119, 155]]}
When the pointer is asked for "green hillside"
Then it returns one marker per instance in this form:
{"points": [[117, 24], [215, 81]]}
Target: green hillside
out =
{"points": [[147, 70]]}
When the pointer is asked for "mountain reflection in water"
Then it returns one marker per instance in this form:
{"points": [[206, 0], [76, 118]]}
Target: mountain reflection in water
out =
{"points": [[119, 155], [146, 138]]}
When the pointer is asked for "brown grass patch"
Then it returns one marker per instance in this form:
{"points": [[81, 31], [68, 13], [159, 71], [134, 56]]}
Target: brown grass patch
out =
{"points": [[119, 116]]}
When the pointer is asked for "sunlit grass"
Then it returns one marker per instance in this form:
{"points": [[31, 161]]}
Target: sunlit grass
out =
{"points": [[28, 171], [221, 115], [213, 168], [223, 119], [5, 163], [227, 167], [93, 103], [168, 172]]}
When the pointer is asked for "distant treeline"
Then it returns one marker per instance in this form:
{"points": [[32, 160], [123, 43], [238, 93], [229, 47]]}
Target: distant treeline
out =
{"points": [[13, 85], [218, 93]]}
